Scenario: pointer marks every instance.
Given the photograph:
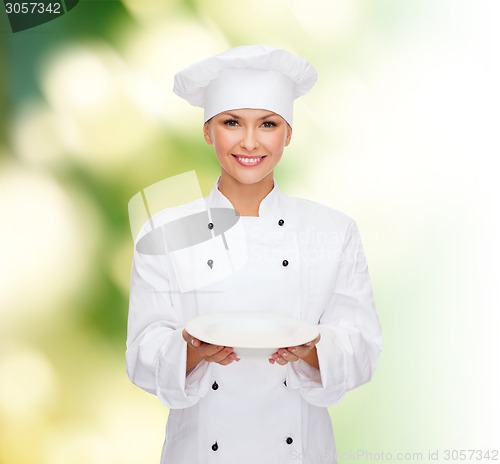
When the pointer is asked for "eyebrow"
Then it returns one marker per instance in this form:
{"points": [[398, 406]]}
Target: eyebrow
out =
{"points": [[235, 116]]}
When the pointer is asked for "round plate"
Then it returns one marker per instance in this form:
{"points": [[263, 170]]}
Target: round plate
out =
{"points": [[252, 334]]}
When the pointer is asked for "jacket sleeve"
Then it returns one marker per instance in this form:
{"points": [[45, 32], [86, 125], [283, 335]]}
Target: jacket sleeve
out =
{"points": [[351, 338], [156, 351]]}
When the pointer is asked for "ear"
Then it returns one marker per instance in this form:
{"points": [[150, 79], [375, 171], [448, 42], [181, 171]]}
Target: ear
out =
{"points": [[288, 135], [206, 132]]}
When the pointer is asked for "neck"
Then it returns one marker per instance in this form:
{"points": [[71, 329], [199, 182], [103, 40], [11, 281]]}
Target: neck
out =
{"points": [[246, 198]]}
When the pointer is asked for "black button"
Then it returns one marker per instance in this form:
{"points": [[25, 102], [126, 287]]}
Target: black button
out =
{"points": [[281, 222], [285, 263], [289, 441], [210, 226], [215, 446], [215, 386], [284, 383]]}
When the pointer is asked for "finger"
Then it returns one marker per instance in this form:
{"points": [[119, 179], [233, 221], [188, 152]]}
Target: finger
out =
{"points": [[281, 361], [186, 336], [220, 355], [301, 351], [314, 342], [289, 357], [282, 357], [285, 352], [190, 340], [274, 357], [225, 362], [207, 350], [195, 342], [230, 359]]}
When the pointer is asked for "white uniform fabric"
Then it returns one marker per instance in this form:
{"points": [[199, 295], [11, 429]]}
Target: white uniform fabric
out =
{"points": [[248, 76], [252, 411]]}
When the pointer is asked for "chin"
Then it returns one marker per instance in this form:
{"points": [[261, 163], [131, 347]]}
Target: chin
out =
{"points": [[249, 180]]}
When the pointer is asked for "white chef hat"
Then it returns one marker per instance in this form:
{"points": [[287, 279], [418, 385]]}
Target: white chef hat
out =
{"points": [[255, 76]]}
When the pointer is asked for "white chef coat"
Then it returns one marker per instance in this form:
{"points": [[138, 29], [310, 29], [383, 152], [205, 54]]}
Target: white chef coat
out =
{"points": [[305, 260]]}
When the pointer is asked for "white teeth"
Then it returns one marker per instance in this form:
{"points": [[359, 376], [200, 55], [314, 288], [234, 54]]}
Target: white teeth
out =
{"points": [[248, 160]]}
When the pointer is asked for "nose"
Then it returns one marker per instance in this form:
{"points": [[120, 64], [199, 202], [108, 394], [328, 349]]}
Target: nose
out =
{"points": [[249, 140]]}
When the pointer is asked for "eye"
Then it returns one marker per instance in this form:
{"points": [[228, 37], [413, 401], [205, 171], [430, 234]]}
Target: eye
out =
{"points": [[269, 124], [231, 122]]}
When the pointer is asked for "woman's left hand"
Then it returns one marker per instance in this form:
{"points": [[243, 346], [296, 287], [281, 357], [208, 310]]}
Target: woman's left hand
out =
{"points": [[285, 355]]}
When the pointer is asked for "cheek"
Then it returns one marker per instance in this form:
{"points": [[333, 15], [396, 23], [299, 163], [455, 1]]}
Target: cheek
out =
{"points": [[223, 141], [276, 143]]}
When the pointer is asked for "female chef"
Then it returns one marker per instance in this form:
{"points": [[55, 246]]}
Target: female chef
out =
{"points": [[303, 260]]}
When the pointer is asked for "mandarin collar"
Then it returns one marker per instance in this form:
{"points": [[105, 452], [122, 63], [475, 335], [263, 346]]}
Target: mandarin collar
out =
{"points": [[269, 206]]}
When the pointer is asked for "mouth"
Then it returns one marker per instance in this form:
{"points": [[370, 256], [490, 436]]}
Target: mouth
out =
{"points": [[248, 161]]}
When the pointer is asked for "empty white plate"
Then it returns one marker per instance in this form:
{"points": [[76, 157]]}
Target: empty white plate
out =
{"points": [[252, 334]]}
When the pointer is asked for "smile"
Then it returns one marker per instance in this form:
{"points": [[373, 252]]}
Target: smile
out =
{"points": [[248, 160]]}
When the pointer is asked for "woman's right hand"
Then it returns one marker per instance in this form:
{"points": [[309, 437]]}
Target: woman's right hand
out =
{"points": [[198, 351]]}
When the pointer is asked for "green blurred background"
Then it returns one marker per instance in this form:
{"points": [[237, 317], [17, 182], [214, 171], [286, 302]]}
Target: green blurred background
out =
{"points": [[401, 133]]}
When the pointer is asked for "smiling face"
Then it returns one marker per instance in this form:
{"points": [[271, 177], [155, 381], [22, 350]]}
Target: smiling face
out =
{"points": [[248, 143]]}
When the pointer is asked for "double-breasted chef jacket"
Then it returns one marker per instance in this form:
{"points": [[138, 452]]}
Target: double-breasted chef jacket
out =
{"points": [[304, 260]]}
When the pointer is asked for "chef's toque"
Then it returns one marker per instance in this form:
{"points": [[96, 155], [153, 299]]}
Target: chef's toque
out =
{"points": [[255, 76]]}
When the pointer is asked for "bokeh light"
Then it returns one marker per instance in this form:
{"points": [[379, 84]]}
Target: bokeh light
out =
{"points": [[89, 89], [29, 384], [156, 52], [35, 135], [45, 250]]}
